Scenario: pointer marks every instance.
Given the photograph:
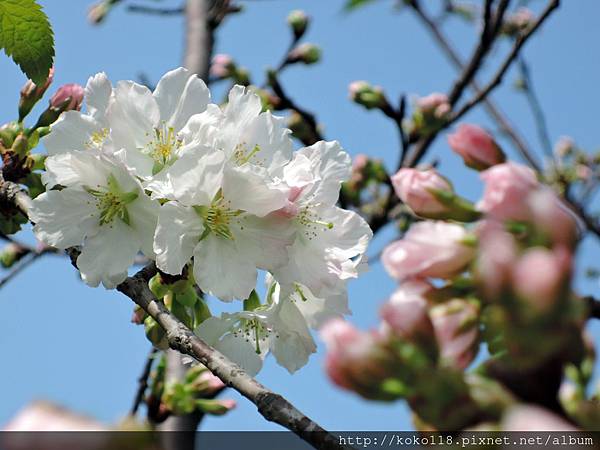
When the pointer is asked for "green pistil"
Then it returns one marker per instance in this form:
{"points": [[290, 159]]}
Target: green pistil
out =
{"points": [[112, 202], [217, 218], [240, 155]]}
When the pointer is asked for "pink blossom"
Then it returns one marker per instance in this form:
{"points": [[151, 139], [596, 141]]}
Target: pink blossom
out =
{"points": [[540, 275], [429, 249], [431, 102], [507, 187], [416, 188], [210, 383], [551, 216], [72, 92], [355, 359], [359, 162], [221, 66], [497, 256], [526, 417], [405, 315], [476, 147], [455, 324]]}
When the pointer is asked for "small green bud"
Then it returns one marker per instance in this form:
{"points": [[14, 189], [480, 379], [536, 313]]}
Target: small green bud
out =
{"points": [[11, 254], [305, 53], [215, 407], [298, 21], [188, 297], [155, 334], [158, 288], [364, 94]]}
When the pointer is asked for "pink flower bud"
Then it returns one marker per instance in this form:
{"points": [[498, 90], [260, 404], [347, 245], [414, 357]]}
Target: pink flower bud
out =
{"points": [[416, 188], [69, 92], [455, 324], [222, 66], [534, 418], [355, 360], [430, 103], [518, 21], [405, 315], [551, 216], [429, 249], [210, 383], [497, 256], [31, 94], [507, 187], [306, 53], [564, 146], [476, 147], [359, 162], [367, 95], [540, 276]]}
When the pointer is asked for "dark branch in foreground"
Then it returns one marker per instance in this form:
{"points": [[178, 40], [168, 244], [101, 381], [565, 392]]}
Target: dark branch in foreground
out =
{"points": [[270, 405]]}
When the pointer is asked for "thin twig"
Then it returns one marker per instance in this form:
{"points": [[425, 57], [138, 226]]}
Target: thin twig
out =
{"points": [[593, 306], [314, 135], [272, 406], [143, 382], [492, 109], [142, 9], [536, 108]]}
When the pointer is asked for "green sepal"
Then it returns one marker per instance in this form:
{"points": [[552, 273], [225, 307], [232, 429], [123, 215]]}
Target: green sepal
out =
{"points": [[252, 302]]}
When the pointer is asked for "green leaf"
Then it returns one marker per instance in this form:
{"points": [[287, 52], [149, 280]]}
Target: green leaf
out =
{"points": [[26, 36], [351, 5]]}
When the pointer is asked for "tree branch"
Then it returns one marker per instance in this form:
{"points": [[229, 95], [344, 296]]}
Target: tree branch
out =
{"points": [[142, 9], [272, 406], [143, 382], [489, 105], [516, 48]]}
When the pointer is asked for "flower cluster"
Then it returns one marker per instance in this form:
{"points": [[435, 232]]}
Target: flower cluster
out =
{"points": [[496, 272], [218, 189]]}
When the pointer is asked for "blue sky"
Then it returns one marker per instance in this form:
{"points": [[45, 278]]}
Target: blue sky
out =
{"points": [[66, 342]]}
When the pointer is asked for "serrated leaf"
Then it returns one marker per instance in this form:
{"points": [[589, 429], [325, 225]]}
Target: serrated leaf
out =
{"points": [[353, 4], [26, 36]]}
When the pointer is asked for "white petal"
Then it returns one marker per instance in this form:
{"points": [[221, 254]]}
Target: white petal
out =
{"points": [[106, 256], [98, 91], [180, 94], [194, 178], [294, 344], [143, 216], [63, 218], [316, 311], [249, 189], [177, 234], [264, 240], [203, 128], [132, 115], [242, 108], [332, 165], [72, 131], [350, 234], [242, 352], [221, 270], [139, 163]]}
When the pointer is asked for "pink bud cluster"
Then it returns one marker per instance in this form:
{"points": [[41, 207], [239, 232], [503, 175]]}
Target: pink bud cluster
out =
{"points": [[515, 249]]}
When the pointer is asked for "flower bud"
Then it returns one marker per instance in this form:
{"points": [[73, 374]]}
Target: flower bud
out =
{"points": [[298, 21], [429, 249], [20, 146], [564, 146], [496, 259], [417, 189], [305, 53], [208, 384], [507, 187], [364, 94], [476, 147], [435, 105], [31, 94], [517, 22], [456, 327], [540, 276], [68, 97], [215, 407], [11, 254], [405, 314], [525, 417], [222, 66], [551, 216], [98, 12], [356, 360]]}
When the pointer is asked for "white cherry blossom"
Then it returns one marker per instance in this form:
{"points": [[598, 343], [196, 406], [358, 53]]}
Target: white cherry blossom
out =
{"points": [[101, 207]]}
